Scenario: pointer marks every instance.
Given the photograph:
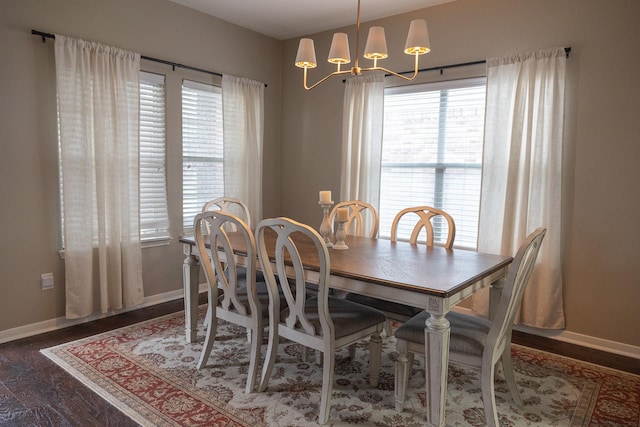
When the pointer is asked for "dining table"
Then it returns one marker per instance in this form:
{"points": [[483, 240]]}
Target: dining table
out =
{"points": [[432, 278]]}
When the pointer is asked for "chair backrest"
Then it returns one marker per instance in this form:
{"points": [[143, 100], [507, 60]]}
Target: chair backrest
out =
{"points": [[293, 285], [362, 219], [511, 296], [427, 216], [220, 265], [231, 205]]}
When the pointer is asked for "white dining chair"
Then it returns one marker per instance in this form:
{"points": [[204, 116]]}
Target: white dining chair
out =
{"points": [[422, 224], [231, 205], [362, 218], [232, 297], [320, 322], [241, 210], [476, 341], [434, 224]]}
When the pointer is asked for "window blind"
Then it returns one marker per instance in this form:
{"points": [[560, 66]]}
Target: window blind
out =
{"points": [[202, 148], [432, 154], [154, 216]]}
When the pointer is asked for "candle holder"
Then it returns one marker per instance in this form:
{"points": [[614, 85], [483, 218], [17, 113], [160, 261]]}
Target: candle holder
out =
{"points": [[325, 227], [340, 234]]}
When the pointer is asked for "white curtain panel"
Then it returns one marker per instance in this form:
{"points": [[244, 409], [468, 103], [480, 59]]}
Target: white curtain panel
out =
{"points": [[522, 173], [98, 97], [363, 111], [243, 109]]}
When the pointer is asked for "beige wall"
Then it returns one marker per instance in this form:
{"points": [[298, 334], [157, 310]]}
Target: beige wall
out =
{"points": [[303, 132], [601, 198], [29, 212]]}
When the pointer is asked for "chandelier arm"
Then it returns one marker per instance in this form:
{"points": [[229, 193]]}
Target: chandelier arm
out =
{"points": [[393, 73], [335, 73]]}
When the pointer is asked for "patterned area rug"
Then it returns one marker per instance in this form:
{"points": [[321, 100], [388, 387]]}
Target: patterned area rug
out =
{"points": [[148, 371]]}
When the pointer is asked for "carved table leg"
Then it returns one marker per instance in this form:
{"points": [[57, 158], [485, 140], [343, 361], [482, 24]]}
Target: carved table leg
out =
{"points": [[495, 291], [190, 279], [436, 338]]}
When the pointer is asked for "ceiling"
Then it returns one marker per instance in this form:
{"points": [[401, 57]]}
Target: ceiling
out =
{"points": [[286, 19]]}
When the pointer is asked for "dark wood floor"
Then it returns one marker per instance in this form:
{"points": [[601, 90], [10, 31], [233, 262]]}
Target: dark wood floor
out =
{"points": [[36, 392]]}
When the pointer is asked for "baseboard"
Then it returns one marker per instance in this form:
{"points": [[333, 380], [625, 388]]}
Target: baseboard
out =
{"points": [[61, 322], [574, 338], [564, 336]]}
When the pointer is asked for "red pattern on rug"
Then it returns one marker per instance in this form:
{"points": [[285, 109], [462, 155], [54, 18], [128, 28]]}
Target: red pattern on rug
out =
{"points": [[616, 396], [166, 398], [169, 397]]}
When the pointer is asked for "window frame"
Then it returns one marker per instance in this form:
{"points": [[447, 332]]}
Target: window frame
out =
{"points": [[199, 191], [439, 165], [160, 213], [153, 239]]}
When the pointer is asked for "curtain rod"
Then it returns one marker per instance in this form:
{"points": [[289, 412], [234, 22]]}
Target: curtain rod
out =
{"points": [[148, 58], [567, 50]]}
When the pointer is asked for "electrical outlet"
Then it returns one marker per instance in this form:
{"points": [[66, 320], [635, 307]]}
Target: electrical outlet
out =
{"points": [[46, 280]]}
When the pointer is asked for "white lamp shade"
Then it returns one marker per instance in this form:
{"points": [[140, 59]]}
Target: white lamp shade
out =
{"points": [[306, 57], [339, 52], [376, 47], [418, 38]]}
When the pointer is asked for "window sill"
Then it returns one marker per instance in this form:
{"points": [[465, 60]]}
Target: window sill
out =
{"points": [[152, 242], [146, 243]]}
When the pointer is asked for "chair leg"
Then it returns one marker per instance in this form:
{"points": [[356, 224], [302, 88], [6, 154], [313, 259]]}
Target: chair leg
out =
{"points": [[507, 368], [212, 330], [270, 357], [352, 351], [207, 317], [387, 328], [403, 369], [254, 359], [327, 387], [375, 356], [487, 378]]}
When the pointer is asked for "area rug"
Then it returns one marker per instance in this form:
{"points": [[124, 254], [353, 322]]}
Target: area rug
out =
{"points": [[147, 370]]}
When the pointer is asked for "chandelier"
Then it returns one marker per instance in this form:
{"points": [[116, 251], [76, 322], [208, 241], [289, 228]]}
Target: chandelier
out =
{"points": [[376, 48]]}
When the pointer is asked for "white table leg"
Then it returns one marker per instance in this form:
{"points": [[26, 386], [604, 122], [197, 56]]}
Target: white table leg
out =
{"points": [[436, 339], [190, 283], [495, 292]]}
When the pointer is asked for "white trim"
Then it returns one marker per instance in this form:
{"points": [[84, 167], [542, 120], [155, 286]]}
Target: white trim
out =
{"points": [[152, 242], [564, 336], [574, 338], [61, 322]]}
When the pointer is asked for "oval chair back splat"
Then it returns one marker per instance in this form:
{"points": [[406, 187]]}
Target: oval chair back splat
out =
{"points": [[433, 221], [231, 205], [235, 207], [362, 219]]}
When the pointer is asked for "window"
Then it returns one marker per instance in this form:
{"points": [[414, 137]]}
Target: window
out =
{"points": [[154, 217], [202, 148], [432, 153]]}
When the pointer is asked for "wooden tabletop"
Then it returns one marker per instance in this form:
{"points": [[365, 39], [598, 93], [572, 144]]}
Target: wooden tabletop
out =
{"points": [[429, 270]]}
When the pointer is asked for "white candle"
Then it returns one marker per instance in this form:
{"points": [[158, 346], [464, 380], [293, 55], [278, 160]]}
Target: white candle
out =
{"points": [[325, 197], [343, 213]]}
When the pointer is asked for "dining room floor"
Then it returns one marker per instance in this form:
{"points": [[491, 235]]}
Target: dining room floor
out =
{"points": [[35, 391]]}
